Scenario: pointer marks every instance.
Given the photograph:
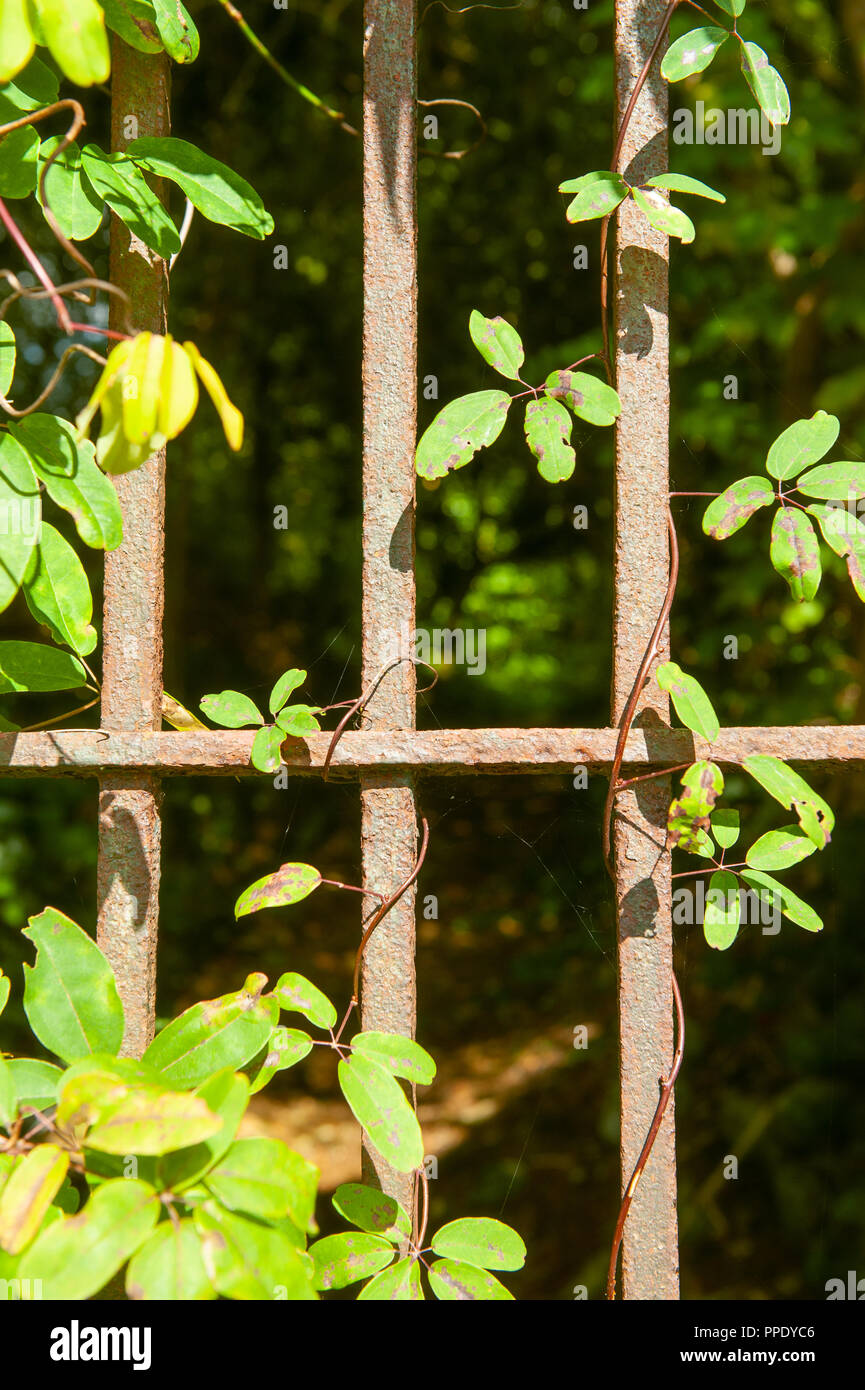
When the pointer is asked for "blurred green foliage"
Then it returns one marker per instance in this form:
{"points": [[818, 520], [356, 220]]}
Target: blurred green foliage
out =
{"points": [[771, 292]]}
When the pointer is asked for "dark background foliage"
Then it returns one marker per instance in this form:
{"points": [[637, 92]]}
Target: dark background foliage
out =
{"points": [[522, 951]]}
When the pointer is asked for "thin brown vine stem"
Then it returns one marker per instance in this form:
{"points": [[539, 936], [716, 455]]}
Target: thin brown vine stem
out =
{"points": [[51, 723], [55, 377], [663, 1101], [351, 888], [622, 786], [386, 906], [357, 705], [424, 1189], [36, 266], [378, 916], [631, 707], [456, 154]]}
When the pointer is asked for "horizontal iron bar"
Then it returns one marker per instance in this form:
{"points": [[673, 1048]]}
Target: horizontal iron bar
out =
{"points": [[225, 752]]}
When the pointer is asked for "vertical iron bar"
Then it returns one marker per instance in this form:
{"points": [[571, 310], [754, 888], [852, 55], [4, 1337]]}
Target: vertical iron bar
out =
{"points": [[650, 1252], [129, 823], [388, 818]]}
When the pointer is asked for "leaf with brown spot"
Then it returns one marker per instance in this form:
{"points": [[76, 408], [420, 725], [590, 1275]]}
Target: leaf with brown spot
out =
{"points": [[728, 513], [290, 884], [795, 553], [459, 430]]}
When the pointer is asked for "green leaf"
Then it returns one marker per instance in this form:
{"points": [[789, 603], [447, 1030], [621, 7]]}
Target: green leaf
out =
{"points": [[398, 1055], [70, 997], [76, 1257], [20, 517], [548, 432], [795, 553], [400, 1283], [216, 191], [498, 343], [379, 1105], [134, 21], [838, 481], [663, 216], [296, 721], [217, 1033], [690, 700], [598, 195], [723, 908], [16, 37], [29, 1193], [290, 884], [766, 83], [58, 594], [732, 7], [169, 1265], [4, 990], [253, 1177], [373, 1211], [728, 513], [74, 31], [35, 1082], [801, 444], [66, 464], [266, 746], [725, 827], [245, 1260], [779, 849], [299, 996], [683, 183], [285, 686], [19, 153], [452, 1280], [481, 1241], [32, 666], [231, 709], [794, 793], [459, 430], [693, 52], [344, 1259], [8, 1102], [845, 533], [36, 85], [177, 30], [585, 395], [121, 1118], [777, 894], [700, 843], [286, 1047], [75, 206], [7, 357], [225, 1095], [118, 181]]}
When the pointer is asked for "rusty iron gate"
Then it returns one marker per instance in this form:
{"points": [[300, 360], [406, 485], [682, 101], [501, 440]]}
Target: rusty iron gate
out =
{"points": [[130, 755]]}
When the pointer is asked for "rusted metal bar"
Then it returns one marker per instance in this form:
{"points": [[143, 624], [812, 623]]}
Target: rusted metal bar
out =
{"points": [[129, 824], [650, 1263], [441, 753], [388, 814]]}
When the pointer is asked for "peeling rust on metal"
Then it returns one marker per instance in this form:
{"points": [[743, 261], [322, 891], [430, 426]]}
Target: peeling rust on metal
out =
{"points": [[388, 813], [129, 825], [643, 888]]}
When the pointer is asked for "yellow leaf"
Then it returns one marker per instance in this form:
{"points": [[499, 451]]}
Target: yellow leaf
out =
{"points": [[16, 38], [28, 1194], [117, 359], [177, 715], [114, 453], [178, 391], [232, 420], [140, 392]]}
